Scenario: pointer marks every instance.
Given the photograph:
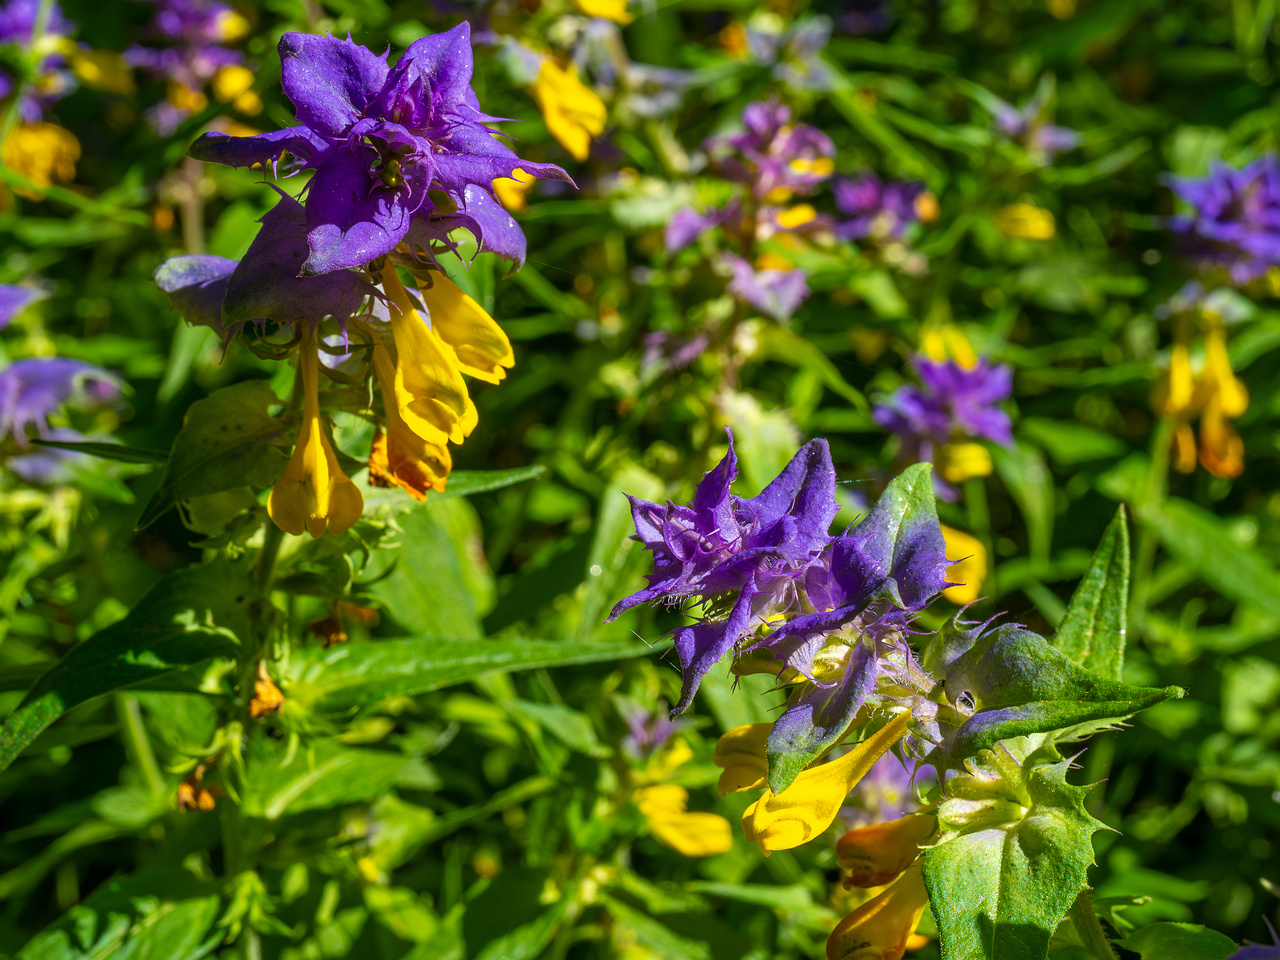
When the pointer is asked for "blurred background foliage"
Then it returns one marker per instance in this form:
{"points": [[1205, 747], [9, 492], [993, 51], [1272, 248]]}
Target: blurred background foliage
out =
{"points": [[494, 816]]}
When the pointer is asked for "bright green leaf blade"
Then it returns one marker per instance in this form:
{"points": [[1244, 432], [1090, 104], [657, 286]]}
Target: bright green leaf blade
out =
{"points": [[1092, 631], [1179, 941], [229, 440], [465, 483], [999, 892], [190, 616], [107, 451], [327, 774], [356, 675]]}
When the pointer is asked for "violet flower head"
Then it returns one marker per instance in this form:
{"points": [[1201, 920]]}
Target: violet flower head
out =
{"points": [[191, 36], [51, 81], [32, 390], [13, 300], [860, 17], [775, 293], [1235, 218], [952, 403], [875, 208], [1029, 124], [671, 353], [741, 558], [772, 154], [393, 147]]}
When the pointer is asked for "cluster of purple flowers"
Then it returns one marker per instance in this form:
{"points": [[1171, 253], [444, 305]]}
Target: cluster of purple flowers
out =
{"points": [[50, 80], [953, 403], [1234, 222], [33, 390], [876, 209], [779, 591], [398, 152]]}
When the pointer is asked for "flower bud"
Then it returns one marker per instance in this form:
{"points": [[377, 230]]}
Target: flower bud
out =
{"points": [[874, 855], [879, 929]]}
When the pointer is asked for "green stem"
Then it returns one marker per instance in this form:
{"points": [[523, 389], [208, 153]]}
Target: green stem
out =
{"points": [[1089, 928], [137, 743], [1153, 493], [271, 541]]}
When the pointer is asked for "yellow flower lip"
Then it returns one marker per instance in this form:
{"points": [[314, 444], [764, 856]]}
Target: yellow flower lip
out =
{"points": [[807, 807], [881, 926], [573, 112], [874, 855], [314, 494], [741, 754], [399, 457], [693, 834]]}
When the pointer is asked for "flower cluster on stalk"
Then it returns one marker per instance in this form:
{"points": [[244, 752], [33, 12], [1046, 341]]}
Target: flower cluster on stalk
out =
{"points": [[401, 157]]}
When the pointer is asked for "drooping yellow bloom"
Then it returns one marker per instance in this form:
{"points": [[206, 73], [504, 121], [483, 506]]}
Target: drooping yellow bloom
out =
{"points": [[665, 809], [1218, 383], [184, 98], [872, 856], [927, 208], [807, 807], [44, 153], [428, 387], [615, 10], [572, 110], [399, 457], [1221, 449], [957, 462], [945, 341], [879, 929], [797, 216], [1175, 392], [314, 493], [741, 754], [1025, 221], [230, 26], [1216, 396], [969, 567], [234, 85], [481, 346], [513, 191]]}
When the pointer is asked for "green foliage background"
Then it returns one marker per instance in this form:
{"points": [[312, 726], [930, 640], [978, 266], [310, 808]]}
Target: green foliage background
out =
{"points": [[448, 783]]}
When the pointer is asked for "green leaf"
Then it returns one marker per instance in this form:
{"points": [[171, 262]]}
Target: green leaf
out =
{"points": [[229, 439], [356, 675], [1024, 472], [189, 616], [528, 940], [466, 483], [1000, 885], [571, 727], [107, 451], [790, 347], [1092, 631], [325, 774], [657, 937], [1179, 941]]}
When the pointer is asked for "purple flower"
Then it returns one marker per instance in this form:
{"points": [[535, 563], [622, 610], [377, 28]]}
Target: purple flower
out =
{"points": [[389, 145], [773, 154], [722, 544], [13, 300], [1030, 126], [51, 82], [648, 731], [953, 403], [1235, 221], [31, 390], [670, 353], [192, 35], [1256, 951], [776, 293], [687, 225], [875, 208], [859, 17]]}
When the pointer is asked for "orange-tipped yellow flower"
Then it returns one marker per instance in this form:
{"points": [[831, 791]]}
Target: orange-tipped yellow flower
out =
{"points": [[314, 494], [740, 753], [1221, 449], [872, 856], [1216, 396], [428, 387], [694, 834], [399, 456], [572, 110], [880, 928], [807, 807]]}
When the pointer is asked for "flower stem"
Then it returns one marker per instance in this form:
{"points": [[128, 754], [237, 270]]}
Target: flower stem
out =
{"points": [[138, 743], [1152, 493], [1089, 928]]}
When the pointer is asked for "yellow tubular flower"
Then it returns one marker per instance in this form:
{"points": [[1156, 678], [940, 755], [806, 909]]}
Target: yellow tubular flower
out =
{"points": [[1025, 221], [314, 493], [797, 216], [945, 341], [957, 462], [615, 10], [1173, 396], [969, 568], [429, 391], [879, 929], [1184, 449], [513, 191], [1218, 382], [102, 70], [399, 457], [872, 856], [740, 753], [692, 834], [573, 112], [231, 81], [481, 346], [1221, 449], [807, 807], [45, 153]]}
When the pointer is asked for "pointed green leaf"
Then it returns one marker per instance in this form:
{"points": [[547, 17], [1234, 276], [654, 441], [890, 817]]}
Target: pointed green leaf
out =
{"points": [[106, 451], [229, 439], [1000, 887], [1092, 631], [192, 615], [466, 483], [1179, 941]]}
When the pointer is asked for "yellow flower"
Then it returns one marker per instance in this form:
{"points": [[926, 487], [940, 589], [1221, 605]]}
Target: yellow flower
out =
{"points": [[927, 208], [231, 81], [428, 387], [513, 191], [946, 341], [797, 216], [44, 153], [184, 98], [1218, 383], [1174, 394], [399, 457], [1184, 449], [693, 834], [314, 493], [615, 10], [969, 568], [267, 698], [880, 928], [740, 753], [102, 70], [481, 346], [816, 166], [773, 261], [1026, 221], [957, 462], [874, 855], [807, 807], [1221, 449], [230, 26], [573, 112]]}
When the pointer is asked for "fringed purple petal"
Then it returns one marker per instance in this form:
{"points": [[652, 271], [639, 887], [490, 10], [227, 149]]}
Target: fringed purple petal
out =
{"points": [[332, 83], [351, 220]]}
